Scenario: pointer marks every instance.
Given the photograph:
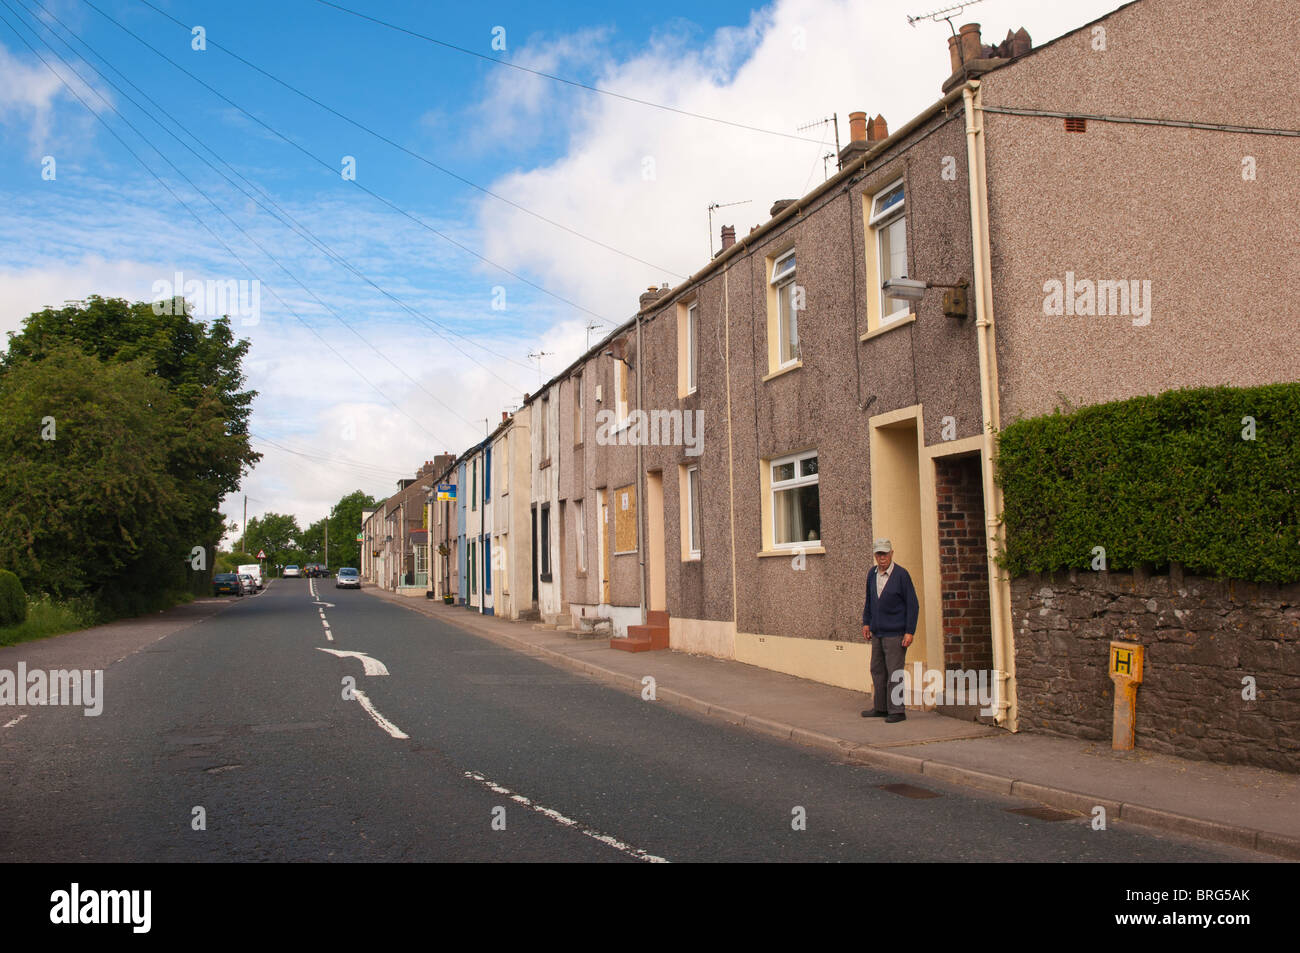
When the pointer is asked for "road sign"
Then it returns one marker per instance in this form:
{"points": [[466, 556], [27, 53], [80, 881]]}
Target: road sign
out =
{"points": [[261, 554]]}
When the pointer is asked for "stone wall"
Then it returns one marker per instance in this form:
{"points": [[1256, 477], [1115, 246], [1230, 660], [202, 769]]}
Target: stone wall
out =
{"points": [[1205, 640]]}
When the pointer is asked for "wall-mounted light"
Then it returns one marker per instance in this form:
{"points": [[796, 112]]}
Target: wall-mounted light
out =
{"points": [[956, 302]]}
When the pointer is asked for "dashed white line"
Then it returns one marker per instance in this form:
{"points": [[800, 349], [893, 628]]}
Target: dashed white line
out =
{"points": [[380, 720], [559, 818]]}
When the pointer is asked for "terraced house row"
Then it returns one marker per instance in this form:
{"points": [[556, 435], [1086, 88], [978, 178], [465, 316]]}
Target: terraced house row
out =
{"points": [[1089, 220]]}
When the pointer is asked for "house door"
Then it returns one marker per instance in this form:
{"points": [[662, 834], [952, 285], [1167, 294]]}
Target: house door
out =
{"points": [[654, 517], [602, 528]]}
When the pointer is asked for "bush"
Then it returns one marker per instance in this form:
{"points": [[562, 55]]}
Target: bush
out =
{"points": [[13, 601], [1206, 477]]}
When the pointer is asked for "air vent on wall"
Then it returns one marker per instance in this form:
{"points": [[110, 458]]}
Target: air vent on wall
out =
{"points": [[1076, 124]]}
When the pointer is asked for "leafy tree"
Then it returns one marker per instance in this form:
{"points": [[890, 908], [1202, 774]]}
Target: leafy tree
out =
{"points": [[345, 523], [87, 494], [276, 534], [197, 453]]}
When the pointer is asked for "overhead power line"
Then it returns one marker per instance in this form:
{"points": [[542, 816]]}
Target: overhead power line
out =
{"points": [[113, 132], [334, 170], [174, 123], [558, 79], [411, 152]]}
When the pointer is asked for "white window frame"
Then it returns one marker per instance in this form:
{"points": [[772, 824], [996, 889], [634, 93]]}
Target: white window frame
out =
{"points": [[695, 532], [546, 426], [881, 219], [692, 348], [775, 486], [778, 282]]}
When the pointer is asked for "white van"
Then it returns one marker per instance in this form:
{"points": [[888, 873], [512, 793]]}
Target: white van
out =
{"points": [[254, 570]]}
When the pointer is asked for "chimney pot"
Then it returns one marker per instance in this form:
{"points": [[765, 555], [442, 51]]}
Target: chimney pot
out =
{"points": [[728, 236], [779, 206], [877, 129], [505, 415], [970, 41], [858, 127]]}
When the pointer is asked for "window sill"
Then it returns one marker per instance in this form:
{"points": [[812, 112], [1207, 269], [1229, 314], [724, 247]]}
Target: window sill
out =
{"points": [[817, 550], [625, 552], [886, 328], [691, 558], [784, 370]]}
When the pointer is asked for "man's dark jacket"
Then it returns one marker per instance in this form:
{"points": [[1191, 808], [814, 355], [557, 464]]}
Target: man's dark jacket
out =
{"points": [[897, 609]]}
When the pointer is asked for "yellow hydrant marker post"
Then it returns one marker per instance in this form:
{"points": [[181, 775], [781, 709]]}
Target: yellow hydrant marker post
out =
{"points": [[1126, 673]]}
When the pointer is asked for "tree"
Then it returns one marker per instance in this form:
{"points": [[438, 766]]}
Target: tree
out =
{"points": [[345, 523], [201, 450], [88, 496], [276, 534]]}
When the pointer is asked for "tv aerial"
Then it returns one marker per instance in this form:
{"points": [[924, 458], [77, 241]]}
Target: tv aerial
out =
{"points": [[946, 14], [712, 206]]}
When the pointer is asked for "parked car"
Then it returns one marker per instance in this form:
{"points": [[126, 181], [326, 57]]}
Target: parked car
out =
{"points": [[348, 578], [250, 584], [227, 583], [254, 570], [292, 572]]}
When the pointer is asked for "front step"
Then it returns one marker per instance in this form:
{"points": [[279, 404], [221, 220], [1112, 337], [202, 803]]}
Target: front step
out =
{"points": [[644, 638]]}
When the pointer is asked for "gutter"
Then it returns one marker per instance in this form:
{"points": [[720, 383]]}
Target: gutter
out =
{"points": [[1004, 662]]}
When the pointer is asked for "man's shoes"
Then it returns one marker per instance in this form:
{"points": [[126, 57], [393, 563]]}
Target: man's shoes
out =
{"points": [[874, 714], [896, 717]]}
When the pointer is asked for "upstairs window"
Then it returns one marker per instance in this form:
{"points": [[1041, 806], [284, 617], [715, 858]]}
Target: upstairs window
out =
{"points": [[888, 224], [788, 302]]}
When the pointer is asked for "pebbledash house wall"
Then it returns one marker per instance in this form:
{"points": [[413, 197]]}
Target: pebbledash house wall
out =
{"points": [[1177, 207], [803, 616]]}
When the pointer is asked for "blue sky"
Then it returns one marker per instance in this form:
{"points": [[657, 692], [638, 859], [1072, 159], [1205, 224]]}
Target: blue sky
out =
{"points": [[360, 387]]}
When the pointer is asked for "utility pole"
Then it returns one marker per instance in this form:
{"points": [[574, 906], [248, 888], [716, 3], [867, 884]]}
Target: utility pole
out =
{"points": [[327, 543], [244, 536]]}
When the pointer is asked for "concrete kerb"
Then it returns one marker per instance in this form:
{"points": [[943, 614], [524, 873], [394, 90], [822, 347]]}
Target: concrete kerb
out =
{"points": [[1136, 814]]}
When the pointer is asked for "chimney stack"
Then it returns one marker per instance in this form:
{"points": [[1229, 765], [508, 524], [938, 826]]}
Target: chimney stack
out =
{"points": [[505, 415], [728, 236], [970, 41], [858, 127], [651, 295]]}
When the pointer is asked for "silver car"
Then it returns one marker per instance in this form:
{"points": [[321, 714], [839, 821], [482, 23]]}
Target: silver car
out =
{"points": [[249, 584], [348, 578]]}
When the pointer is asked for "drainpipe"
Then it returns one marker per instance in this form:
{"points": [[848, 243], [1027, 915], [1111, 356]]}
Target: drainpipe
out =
{"points": [[640, 492], [999, 585]]}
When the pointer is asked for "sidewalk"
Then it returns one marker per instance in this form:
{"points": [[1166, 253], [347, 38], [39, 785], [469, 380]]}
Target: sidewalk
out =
{"points": [[1247, 807]]}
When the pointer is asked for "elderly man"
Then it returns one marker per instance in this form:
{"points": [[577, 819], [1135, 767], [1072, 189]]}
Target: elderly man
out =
{"points": [[889, 624]]}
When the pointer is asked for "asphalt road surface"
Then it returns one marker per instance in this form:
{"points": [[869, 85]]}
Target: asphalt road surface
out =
{"points": [[464, 750]]}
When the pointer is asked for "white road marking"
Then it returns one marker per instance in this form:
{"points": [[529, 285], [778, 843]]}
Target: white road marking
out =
{"points": [[372, 665], [559, 818], [327, 605], [18, 719], [329, 635], [380, 720]]}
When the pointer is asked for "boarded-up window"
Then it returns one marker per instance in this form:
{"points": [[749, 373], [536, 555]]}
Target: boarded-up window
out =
{"points": [[625, 519]]}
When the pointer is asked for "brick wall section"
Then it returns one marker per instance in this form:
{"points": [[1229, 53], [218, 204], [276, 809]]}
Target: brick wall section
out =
{"points": [[1202, 637], [963, 566]]}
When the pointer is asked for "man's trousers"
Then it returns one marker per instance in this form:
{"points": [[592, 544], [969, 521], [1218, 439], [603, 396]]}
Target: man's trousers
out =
{"points": [[887, 654]]}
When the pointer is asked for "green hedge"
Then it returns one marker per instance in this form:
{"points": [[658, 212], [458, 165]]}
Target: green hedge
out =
{"points": [[13, 601], [1158, 479]]}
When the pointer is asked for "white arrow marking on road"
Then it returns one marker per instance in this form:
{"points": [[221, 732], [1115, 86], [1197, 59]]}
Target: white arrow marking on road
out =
{"points": [[21, 717], [559, 818], [372, 665], [328, 605], [380, 720]]}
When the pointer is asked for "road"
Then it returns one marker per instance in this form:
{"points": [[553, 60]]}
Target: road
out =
{"points": [[456, 749]]}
